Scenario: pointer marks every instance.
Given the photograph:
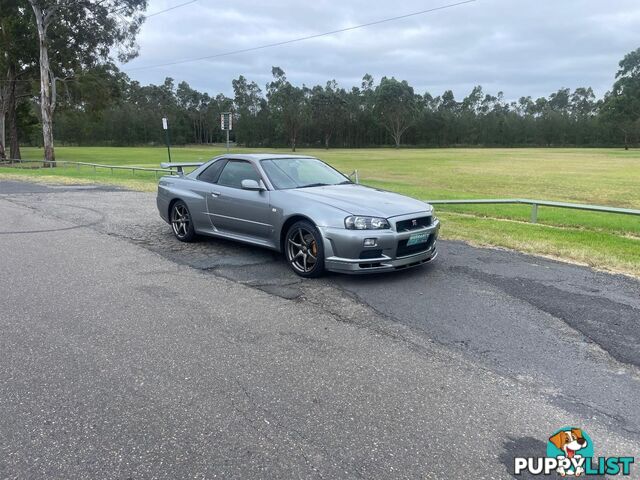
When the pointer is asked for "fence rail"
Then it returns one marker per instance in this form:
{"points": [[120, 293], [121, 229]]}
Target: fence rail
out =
{"points": [[95, 166], [536, 203]]}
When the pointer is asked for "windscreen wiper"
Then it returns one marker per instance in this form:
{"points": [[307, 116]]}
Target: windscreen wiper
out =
{"points": [[314, 185]]}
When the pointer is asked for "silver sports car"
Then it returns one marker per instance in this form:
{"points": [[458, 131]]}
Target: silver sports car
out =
{"points": [[302, 207]]}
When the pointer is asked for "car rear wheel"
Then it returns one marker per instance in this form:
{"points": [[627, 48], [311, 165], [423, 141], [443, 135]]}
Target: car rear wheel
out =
{"points": [[304, 250], [181, 222]]}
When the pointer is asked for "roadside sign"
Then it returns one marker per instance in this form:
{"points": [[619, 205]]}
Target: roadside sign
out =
{"points": [[226, 124], [226, 121], [165, 127]]}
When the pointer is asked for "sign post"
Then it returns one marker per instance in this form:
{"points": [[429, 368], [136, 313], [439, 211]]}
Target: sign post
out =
{"points": [[226, 123], [165, 127]]}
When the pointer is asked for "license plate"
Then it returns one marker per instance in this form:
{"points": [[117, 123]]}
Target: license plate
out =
{"points": [[417, 238]]}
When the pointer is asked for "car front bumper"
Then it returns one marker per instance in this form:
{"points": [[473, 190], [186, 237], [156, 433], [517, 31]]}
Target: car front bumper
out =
{"points": [[345, 251]]}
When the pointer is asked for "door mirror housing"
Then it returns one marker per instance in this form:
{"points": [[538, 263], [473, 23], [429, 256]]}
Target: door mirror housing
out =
{"points": [[252, 185]]}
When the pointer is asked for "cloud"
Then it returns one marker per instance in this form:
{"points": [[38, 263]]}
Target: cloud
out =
{"points": [[515, 46]]}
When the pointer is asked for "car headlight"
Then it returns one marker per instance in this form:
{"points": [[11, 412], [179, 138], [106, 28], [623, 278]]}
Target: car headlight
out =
{"points": [[365, 223]]}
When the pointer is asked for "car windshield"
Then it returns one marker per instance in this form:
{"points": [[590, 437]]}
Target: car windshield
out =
{"points": [[301, 173]]}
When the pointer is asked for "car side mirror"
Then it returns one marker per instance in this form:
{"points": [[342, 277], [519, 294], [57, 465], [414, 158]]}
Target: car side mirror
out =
{"points": [[251, 185]]}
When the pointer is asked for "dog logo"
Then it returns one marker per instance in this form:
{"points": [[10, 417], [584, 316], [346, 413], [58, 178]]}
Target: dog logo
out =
{"points": [[570, 454], [570, 443]]}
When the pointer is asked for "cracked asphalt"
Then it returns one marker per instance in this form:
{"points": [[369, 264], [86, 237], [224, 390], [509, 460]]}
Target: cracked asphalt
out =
{"points": [[126, 354]]}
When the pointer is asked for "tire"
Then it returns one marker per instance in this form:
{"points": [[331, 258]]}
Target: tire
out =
{"points": [[304, 250], [181, 222]]}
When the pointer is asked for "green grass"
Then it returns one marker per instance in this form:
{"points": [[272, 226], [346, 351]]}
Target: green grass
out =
{"points": [[594, 176]]}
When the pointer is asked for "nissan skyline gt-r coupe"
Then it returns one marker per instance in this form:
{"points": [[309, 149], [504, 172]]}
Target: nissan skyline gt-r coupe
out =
{"points": [[300, 206]]}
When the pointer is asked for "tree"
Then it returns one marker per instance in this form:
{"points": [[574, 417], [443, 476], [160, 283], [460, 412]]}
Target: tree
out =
{"points": [[78, 33], [360, 126], [289, 104], [583, 102], [327, 109], [248, 104], [190, 101], [622, 104], [583, 108], [395, 106], [17, 61]]}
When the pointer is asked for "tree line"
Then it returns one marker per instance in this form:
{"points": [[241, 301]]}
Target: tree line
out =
{"points": [[389, 112], [59, 81]]}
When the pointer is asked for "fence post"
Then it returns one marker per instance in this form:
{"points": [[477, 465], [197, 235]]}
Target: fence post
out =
{"points": [[534, 213]]}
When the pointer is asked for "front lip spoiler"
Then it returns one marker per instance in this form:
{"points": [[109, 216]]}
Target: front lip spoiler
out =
{"points": [[381, 264]]}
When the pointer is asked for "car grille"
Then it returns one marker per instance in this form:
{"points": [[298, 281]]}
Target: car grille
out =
{"points": [[403, 250], [408, 225]]}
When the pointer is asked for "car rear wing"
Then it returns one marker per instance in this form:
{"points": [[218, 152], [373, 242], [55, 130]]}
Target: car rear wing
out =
{"points": [[179, 166]]}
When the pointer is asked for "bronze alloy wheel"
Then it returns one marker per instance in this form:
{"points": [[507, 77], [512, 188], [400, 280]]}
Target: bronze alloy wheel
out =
{"points": [[304, 250]]}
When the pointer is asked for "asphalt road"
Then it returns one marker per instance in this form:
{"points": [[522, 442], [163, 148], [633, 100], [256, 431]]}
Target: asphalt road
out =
{"points": [[126, 354]]}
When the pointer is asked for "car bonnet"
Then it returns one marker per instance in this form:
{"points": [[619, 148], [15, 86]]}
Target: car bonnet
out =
{"points": [[361, 200]]}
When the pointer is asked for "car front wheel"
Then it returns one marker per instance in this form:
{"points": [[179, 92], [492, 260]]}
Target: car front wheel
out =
{"points": [[304, 249]]}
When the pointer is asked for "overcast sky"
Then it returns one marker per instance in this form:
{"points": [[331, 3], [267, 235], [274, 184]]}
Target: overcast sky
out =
{"points": [[520, 47]]}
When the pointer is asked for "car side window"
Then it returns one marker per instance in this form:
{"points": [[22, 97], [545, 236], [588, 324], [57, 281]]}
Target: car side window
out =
{"points": [[212, 172], [235, 171]]}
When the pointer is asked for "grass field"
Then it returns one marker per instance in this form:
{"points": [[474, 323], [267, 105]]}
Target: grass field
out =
{"points": [[595, 176]]}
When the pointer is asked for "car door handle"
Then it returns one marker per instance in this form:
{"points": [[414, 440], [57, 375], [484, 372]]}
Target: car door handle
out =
{"points": [[215, 194]]}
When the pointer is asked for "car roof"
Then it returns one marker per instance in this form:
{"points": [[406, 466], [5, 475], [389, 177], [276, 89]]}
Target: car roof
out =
{"points": [[261, 156]]}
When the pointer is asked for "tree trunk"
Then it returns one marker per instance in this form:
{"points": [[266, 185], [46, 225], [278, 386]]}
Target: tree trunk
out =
{"points": [[396, 135], [14, 144], [3, 155], [3, 115], [47, 86], [626, 141]]}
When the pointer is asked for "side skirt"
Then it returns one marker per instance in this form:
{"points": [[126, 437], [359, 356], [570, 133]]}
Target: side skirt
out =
{"points": [[238, 238]]}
